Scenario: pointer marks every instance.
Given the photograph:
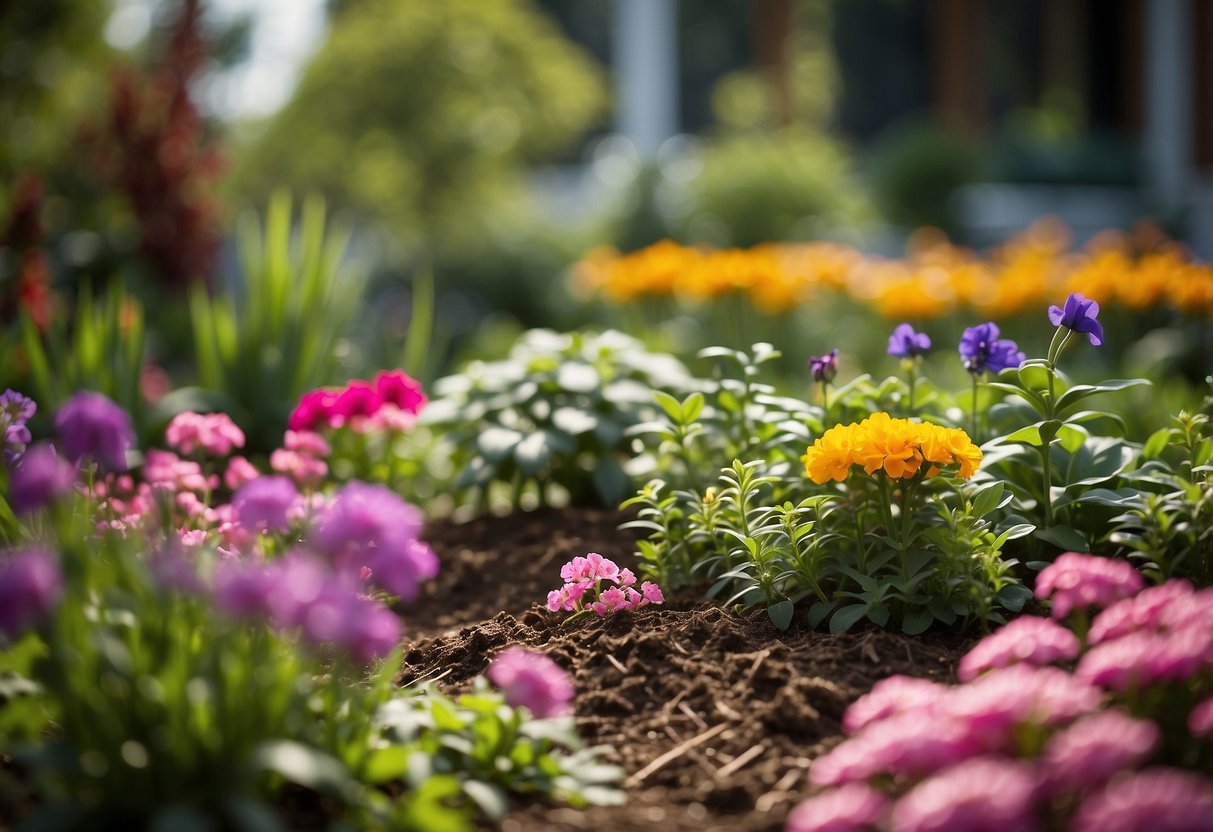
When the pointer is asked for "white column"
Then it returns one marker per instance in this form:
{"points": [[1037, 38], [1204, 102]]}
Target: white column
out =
{"points": [[1168, 105], [645, 58]]}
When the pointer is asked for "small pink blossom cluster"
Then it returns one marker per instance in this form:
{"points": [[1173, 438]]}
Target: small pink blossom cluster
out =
{"points": [[1078, 582], [302, 458], [214, 433], [584, 579], [531, 680], [390, 402], [1024, 745]]}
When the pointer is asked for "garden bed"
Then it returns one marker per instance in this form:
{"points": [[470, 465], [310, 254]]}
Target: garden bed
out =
{"points": [[714, 715]]}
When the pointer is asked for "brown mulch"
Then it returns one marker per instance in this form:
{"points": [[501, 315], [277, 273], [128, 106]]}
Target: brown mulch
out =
{"points": [[715, 715]]}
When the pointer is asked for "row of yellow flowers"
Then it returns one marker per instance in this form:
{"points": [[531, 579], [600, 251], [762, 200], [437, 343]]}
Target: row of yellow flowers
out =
{"points": [[933, 279]]}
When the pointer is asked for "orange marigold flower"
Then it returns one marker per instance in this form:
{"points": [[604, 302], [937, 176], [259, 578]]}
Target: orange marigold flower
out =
{"points": [[899, 447]]}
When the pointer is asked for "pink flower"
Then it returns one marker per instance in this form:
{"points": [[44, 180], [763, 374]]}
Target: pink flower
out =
{"points": [[1200, 721], [854, 807], [1141, 612], [1094, 748], [215, 433], [30, 588], [592, 567], [359, 398], [306, 442], [164, 469], [652, 593], [612, 600], [998, 702], [533, 681], [894, 695], [1156, 800], [263, 504], [303, 468], [982, 795], [239, 472], [1142, 659], [903, 744], [1077, 581], [1036, 641]]}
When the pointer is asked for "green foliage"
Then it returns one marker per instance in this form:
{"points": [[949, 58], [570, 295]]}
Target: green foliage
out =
{"points": [[553, 415], [915, 169], [102, 350], [788, 185], [491, 749], [263, 345], [413, 113], [761, 535]]}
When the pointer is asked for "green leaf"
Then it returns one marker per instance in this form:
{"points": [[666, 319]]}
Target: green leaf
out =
{"points": [[1158, 442], [1082, 391], [847, 617], [989, 498], [1034, 376], [386, 764], [305, 766], [1014, 596], [610, 480], [819, 611], [496, 442], [574, 420], [1064, 537], [917, 621], [671, 405], [781, 614], [533, 453], [489, 797]]}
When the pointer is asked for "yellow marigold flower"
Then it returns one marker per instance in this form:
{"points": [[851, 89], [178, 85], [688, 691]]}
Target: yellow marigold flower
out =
{"points": [[899, 447], [830, 457]]}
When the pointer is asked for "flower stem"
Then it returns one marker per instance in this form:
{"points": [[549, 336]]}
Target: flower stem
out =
{"points": [[974, 406]]}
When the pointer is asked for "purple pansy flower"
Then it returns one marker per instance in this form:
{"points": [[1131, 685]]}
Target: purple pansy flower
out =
{"points": [[1079, 315], [906, 343], [982, 350], [824, 367]]}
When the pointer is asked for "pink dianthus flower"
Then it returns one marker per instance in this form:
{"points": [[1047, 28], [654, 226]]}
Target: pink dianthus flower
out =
{"points": [[1087, 753], [1155, 800], [891, 696], [1029, 639], [982, 795], [1076, 581], [533, 681], [855, 807]]}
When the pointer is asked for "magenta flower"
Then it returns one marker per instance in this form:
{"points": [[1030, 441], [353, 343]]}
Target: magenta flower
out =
{"points": [[1156, 800], [1029, 639], [30, 588], [243, 590], [1079, 315], [592, 567], [313, 410], [366, 521], [91, 425], [1076, 581], [1086, 754], [982, 795], [264, 504], [611, 600], [891, 696], [824, 367], [40, 478], [981, 350], [855, 807], [398, 388], [533, 681], [359, 398], [906, 343]]}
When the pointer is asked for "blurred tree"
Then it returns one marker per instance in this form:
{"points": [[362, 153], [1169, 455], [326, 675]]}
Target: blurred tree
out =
{"points": [[50, 54], [415, 114]]}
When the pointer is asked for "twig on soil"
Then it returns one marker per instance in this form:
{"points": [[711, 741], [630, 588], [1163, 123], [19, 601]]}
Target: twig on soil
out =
{"points": [[741, 760], [728, 712], [618, 664], [780, 792], [673, 754], [694, 717]]}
